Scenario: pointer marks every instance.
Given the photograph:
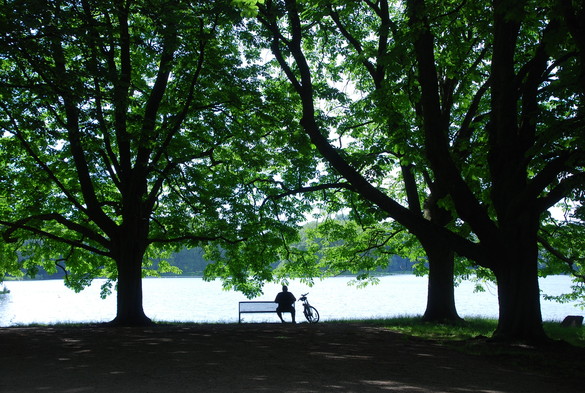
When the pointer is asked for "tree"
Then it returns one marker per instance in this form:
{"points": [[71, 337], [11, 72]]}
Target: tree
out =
{"points": [[379, 124], [505, 144], [391, 91], [131, 124], [376, 79]]}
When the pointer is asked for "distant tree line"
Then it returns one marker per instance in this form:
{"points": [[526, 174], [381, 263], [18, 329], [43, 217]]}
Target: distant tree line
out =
{"points": [[192, 262]]}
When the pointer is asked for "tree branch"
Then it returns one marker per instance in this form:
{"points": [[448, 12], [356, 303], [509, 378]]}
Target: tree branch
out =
{"points": [[196, 238], [569, 183], [562, 257], [414, 222], [435, 123], [22, 224], [93, 209], [43, 165], [303, 190]]}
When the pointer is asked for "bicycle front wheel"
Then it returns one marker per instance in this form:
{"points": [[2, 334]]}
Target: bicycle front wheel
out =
{"points": [[311, 314]]}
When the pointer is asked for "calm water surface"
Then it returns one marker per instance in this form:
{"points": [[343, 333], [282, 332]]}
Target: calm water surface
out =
{"points": [[194, 300]]}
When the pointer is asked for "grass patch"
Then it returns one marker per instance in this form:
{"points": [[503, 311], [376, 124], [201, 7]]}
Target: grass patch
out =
{"points": [[415, 326], [408, 325], [558, 359], [467, 329], [462, 330], [63, 324], [573, 335]]}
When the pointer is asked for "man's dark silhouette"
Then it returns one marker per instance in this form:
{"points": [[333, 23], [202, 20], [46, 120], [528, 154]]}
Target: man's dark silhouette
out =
{"points": [[285, 301]]}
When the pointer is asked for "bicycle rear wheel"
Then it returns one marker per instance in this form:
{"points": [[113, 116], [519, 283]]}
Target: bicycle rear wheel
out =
{"points": [[311, 314]]}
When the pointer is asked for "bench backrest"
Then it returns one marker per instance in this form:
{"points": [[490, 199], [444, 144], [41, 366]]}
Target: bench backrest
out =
{"points": [[258, 306]]}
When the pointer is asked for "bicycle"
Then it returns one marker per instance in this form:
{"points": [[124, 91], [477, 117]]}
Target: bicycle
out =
{"points": [[310, 312]]}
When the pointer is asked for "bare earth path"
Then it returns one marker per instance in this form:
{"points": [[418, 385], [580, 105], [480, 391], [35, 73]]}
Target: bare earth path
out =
{"points": [[265, 358]]}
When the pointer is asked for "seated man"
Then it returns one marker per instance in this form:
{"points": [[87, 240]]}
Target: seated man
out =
{"points": [[285, 301]]}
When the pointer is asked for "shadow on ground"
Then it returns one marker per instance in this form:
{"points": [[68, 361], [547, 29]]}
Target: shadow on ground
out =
{"points": [[255, 358]]}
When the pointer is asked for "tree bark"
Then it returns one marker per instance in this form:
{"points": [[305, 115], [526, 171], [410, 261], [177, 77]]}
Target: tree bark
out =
{"points": [[519, 304], [128, 254], [516, 272], [441, 289], [129, 311]]}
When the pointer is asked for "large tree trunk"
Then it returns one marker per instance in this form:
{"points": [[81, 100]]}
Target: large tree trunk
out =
{"points": [[129, 311], [441, 288], [516, 272], [519, 305], [129, 255]]}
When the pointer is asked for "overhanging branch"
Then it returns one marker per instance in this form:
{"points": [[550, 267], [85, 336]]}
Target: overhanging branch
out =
{"points": [[85, 232], [303, 190], [196, 238], [558, 254]]}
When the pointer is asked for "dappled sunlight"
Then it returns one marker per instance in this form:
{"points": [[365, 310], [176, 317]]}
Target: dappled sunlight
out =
{"points": [[331, 355], [392, 385], [254, 357]]}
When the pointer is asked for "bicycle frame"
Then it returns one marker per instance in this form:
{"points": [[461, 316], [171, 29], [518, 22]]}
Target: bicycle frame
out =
{"points": [[309, 311]]}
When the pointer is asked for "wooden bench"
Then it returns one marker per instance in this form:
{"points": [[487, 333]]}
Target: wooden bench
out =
{"points": [[256, 307]]}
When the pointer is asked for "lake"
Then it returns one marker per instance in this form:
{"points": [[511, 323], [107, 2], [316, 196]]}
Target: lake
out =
{"points": [[194, 300]]}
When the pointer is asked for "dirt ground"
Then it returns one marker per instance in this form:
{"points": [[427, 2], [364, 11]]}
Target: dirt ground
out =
{"points": [[324, 357]]}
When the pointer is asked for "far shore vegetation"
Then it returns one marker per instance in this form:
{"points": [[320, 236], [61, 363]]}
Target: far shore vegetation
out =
{"points": [[191, 263]]}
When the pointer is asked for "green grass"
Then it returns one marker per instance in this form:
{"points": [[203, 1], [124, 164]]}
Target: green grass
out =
{"points": [[573, 335], [62, 324], [413, 326], [467, 329]]}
